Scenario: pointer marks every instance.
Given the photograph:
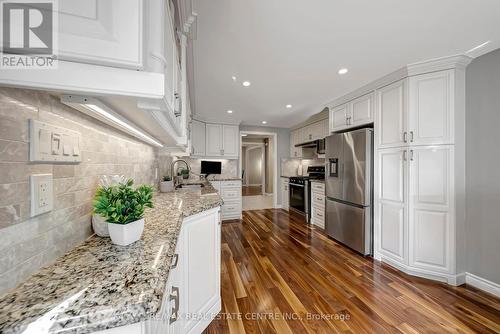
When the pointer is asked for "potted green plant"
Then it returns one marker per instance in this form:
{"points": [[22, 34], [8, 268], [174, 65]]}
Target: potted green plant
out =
{"points": [[123, 206], [184, 173], [167, 184]]}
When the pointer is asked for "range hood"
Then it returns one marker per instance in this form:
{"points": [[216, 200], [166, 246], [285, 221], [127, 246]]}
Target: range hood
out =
{"points": [[318, 145]]}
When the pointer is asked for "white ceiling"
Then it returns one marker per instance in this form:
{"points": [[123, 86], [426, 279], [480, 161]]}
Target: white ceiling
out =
{"points": [[291, 50]]}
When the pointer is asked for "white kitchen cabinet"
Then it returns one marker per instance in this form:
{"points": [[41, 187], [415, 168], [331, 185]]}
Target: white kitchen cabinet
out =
{"points": [[318, 204], [431, 106], [222, 140], [197, 138], [230, 140], [230, 191], [431, 207], [214, 139], [392, 204], [199, 272], [285, 193], [338, 118], [103, 32], [361, 110], [295, 152], [391, 125]]}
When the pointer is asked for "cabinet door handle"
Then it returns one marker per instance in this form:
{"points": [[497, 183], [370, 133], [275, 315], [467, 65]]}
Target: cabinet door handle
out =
{"points": [[411, 155], [175, 309], [404, 155], [174, 262], [405, 137], [411, 136]]}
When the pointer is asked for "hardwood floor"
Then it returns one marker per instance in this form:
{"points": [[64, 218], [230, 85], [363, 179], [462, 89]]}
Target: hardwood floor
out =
{"points": [[280, 276], [251, 190]]}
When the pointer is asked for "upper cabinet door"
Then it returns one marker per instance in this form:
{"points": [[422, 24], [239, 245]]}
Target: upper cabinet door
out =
{"points": [[391, 123], [231, 142], [338, 118], [361, 110], [198, 138], [214, 139], [431, 108], [103, 32]]}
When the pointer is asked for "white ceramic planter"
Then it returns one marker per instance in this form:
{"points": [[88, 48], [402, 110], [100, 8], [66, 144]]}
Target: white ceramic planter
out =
{"points": [[124, 235], [166, 186], [100, 225]]}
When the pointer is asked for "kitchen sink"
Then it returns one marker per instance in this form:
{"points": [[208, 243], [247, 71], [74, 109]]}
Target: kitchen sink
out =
{"points": [[190, 186]]}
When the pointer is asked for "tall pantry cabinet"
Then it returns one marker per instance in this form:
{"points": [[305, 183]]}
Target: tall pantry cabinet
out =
{"points": [[419, 173]]}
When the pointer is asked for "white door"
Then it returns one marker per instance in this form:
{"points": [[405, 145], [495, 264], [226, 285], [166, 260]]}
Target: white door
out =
{"points": [[391, 203], [361, 110], [230, 137], [430, 108], [338, 118], [431, 207], [104, 32], [200, 295], [198, 138], [391, 125], [214, 139]]}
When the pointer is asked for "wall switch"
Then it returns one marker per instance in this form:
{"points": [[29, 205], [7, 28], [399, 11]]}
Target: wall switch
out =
{"points": [[42, 197], [51, 143]]}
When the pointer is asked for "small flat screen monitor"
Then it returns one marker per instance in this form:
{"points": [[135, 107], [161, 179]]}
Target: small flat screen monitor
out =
{"points": [[210, 167]]}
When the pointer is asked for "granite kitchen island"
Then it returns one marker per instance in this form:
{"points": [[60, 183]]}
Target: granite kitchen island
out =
{"points": [[98, 286]]}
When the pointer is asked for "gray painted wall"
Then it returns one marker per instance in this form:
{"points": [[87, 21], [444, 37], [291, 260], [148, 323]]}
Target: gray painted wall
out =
{"points": [[483, 166], [283, 146]]}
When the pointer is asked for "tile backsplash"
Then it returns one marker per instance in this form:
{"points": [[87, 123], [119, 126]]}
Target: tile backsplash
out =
{"points": [[290, 166], [27, 243], [229, 167]]}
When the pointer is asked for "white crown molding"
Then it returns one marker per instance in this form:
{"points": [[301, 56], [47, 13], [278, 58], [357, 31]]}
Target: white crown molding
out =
{"points": [[483, 49], [440, 64]]}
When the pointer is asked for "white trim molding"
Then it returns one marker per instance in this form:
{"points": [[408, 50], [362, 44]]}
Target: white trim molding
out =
{"points": [[482, 284]]}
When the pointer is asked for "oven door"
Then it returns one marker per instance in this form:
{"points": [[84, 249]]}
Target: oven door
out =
{"points": [[297, 198]]}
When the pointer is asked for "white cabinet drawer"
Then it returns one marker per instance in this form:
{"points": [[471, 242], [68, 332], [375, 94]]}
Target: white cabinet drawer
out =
{"points": [[231, 209], [316, 186], [227, 184], [317, 198], [231, 193]]}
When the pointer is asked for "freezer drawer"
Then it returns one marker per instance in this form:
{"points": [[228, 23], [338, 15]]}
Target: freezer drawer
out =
{"points": [[351, 225]]}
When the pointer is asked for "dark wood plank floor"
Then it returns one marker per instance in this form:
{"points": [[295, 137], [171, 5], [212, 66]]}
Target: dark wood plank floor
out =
{"points": [[251, 190], [281, 276]]}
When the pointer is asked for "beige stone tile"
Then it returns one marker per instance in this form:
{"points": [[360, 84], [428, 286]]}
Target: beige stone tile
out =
{"points": [[14, 151], [14, 129], [64, 201], [61, 171], [14, 193], [19, 172]]}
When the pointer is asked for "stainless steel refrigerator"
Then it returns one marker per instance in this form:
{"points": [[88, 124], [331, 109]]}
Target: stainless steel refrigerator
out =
{"points": [[349, 189]]}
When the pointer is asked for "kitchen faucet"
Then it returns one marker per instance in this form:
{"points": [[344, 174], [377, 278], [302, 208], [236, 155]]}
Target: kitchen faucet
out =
{"points": [[172, 165]]}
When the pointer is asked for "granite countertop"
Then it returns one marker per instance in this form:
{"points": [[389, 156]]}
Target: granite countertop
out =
{"points": [[98, 285], [225, 178]]}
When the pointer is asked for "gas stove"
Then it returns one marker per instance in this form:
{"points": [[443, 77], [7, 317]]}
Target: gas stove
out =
{"points": [[300, 191]]}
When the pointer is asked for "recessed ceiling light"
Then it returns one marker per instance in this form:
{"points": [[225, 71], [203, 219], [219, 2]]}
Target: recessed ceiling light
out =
{"points": [[234, 78], [246, 83], [288, 106], [343, 71], [264, 122], [229, 111]]}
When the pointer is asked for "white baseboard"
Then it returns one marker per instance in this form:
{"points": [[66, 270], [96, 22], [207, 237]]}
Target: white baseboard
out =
{"points": [[278, 206], [482, 284]]}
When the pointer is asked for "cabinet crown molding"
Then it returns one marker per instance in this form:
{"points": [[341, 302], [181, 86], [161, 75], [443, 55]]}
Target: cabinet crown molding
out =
{"points": [[445, 63]]}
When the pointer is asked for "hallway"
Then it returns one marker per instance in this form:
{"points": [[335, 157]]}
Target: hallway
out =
{"points": [[275, 267]]}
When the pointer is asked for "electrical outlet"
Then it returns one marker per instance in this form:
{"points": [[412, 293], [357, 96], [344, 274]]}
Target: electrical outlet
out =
{"points": [[41, 194]]}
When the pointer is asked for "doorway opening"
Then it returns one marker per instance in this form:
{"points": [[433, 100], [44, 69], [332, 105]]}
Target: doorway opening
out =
{"points": [[258, 168]]}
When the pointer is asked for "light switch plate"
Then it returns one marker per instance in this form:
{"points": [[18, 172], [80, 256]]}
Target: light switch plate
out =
{"points": [[42, 194], [51, 143]]}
